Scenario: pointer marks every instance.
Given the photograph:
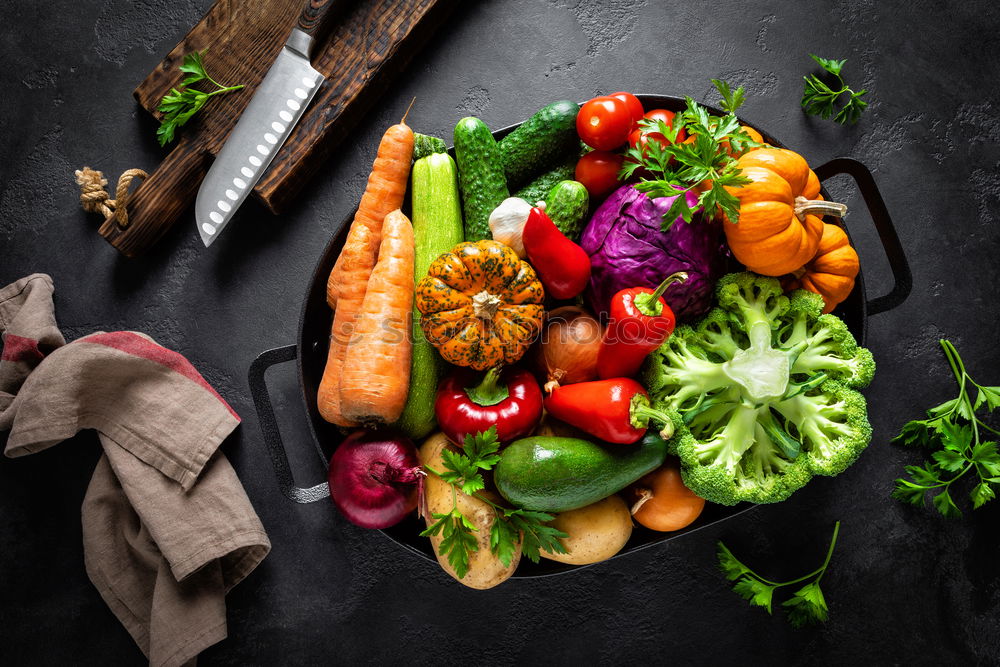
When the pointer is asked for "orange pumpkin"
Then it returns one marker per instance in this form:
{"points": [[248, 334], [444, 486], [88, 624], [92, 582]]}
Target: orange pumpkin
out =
{"points": [[832, 271], [780, 225], [480, 305]]}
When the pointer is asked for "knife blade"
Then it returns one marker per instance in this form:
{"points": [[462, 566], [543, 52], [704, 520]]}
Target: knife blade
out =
{"points": [[276, 106]]}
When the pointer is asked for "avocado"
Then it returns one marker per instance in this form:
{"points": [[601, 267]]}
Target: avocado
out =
{"points": [[556, 474]]}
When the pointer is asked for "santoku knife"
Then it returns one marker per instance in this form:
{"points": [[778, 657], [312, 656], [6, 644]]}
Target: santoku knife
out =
{"points": [[276, 106]]}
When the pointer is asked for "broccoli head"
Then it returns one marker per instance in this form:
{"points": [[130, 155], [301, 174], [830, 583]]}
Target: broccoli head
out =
{"points": [[765, 386]]}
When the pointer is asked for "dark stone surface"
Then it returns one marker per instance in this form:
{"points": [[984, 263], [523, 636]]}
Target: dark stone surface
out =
{"points": [[906, 585]]}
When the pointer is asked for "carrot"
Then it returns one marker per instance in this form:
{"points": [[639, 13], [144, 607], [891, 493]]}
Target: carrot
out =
{"points": [[345, 288], [383, 194], [351, 298], [375, 380]]}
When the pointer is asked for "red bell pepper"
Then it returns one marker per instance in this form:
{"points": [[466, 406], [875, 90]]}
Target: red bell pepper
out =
{"points": [[640, 320], [509, 400], [561, 265], [615, 410]]}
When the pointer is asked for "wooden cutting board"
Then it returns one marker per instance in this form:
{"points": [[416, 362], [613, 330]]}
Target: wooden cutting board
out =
{"points": [[363, 45]]}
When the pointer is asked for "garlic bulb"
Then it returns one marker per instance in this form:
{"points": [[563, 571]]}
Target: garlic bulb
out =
{"points": [[507, 222]]}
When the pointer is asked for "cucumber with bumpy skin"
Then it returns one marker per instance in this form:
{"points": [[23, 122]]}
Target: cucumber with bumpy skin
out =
{"points": [[539, 188], [539, 141], [480, 175], [567, 205], [437, 228]]}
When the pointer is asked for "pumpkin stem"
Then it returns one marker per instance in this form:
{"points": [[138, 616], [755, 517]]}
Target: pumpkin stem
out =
{"points": [[645, 495], [798, 273], [805, 207], [485, 305]]}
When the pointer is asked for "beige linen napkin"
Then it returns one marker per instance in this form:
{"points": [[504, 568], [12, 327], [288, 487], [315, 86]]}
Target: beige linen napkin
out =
{"points": [[167, 526]]}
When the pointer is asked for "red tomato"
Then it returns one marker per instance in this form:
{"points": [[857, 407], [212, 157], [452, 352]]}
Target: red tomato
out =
{"points": [[604, 123], [598, 171], [660, 114], [634, 106], [640, 137]]}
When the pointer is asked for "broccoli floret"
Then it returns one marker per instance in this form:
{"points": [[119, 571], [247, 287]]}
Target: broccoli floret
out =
{"points": [[829, 347], [764, 386], [832, 423], [746, 295]]}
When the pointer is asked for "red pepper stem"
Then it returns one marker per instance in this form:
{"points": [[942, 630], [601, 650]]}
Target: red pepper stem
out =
{"points": [[641, 413], [490, 391], [649, 304]]}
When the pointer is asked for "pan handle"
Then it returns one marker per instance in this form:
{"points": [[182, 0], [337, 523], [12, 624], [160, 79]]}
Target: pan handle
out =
{"points": [[269, 427], [903, 279]]}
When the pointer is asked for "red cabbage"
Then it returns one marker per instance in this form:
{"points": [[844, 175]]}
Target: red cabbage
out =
{"points": [[628, 248]]}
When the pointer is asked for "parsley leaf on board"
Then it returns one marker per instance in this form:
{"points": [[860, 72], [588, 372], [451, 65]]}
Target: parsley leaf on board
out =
{"points": [[807, 605], [819, 99], [705, 162], [955, 432], [179, 105], [510, 527]]}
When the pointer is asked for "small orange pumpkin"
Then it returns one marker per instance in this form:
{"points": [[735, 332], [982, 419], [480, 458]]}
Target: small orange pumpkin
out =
{"points": [[480, 305], [832, 271], [779, 229]]}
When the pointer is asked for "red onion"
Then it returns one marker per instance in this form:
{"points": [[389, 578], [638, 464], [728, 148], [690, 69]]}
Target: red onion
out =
{"points": [[374, 478]]}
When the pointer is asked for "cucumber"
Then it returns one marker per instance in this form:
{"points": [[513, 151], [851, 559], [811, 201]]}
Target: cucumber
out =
{"points": [[437, 228], [539, 141], [567, 205], [553, 474], [424, 145], [480, 175], [539, 188]]}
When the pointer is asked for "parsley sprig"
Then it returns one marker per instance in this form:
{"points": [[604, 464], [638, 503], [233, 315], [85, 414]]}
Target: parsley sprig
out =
{"points": [[807, 605], [820, 99], [705, 163], [179, 105], [510, 527], [955, 431]]}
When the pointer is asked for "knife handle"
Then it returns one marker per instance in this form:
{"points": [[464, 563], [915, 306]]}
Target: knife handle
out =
{"points": [[312, 15]]}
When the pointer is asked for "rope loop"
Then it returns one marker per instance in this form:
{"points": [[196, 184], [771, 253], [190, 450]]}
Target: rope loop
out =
{"points": [[94, 198]]}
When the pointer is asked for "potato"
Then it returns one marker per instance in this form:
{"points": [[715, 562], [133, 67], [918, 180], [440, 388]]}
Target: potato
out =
{"points": [[552, 426], [596, 532], [485, 569]]}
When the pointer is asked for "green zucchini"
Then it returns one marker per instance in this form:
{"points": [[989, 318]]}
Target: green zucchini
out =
{"points": [[424, 145], [480, 175], [539, 141], [555, 474], [437, 228], [567, 205]]}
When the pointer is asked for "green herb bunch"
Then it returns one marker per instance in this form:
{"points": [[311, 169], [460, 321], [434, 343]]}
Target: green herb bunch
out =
{"points": [[510, 527], [179, 105], [706, 162], [807, 605], [956, 433], [819, 99]]}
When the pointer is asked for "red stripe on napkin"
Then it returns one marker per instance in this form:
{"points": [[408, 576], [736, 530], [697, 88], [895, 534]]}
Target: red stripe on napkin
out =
{"points": [[136, 345], [19, 348]]}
